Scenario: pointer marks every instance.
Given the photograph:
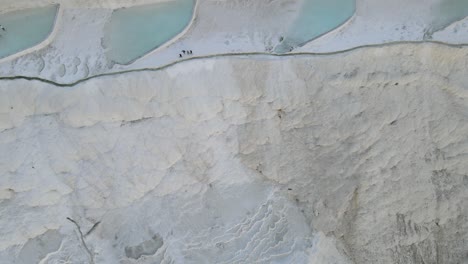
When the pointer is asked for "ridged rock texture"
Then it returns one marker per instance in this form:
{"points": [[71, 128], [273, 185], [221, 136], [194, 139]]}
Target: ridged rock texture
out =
{"points": [[359, 157]]}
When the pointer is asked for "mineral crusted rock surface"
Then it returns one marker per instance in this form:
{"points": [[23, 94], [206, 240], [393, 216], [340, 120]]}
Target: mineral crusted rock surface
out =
{"points": [[360, 157]]}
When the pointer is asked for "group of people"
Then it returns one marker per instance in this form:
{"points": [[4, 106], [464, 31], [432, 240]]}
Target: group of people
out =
{"points": [[188, 52]]}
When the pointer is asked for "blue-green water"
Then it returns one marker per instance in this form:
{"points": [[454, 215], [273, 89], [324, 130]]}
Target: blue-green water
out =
{"points": [[133, 32], [316, 18], [447, 12], [25, 28]]}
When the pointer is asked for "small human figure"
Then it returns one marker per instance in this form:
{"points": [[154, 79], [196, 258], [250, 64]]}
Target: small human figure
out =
{"points": [[3, 28], [183, 51], [180, 55], [190, 51]]}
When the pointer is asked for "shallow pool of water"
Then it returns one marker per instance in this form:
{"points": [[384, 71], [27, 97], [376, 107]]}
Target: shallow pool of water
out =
{"points": [[25, 28], [316, 18], [135, 31], [447, 12]]}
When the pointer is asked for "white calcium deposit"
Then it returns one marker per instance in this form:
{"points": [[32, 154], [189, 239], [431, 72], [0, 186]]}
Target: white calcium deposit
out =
{"points": [[350, 157], [358, 157], [75, 48]]}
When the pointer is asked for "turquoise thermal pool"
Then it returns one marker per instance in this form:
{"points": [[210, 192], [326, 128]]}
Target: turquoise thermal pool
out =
{"points": [[316, 18], [447, 12], [135, 31], [26, 28]]}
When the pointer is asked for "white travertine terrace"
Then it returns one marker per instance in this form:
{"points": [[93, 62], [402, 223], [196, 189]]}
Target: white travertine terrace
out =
{"points": [[218, 27], [229, 160], [358, 156]]}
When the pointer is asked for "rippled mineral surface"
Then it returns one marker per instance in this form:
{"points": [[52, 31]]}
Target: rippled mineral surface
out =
{"points": [[351, 148]]}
